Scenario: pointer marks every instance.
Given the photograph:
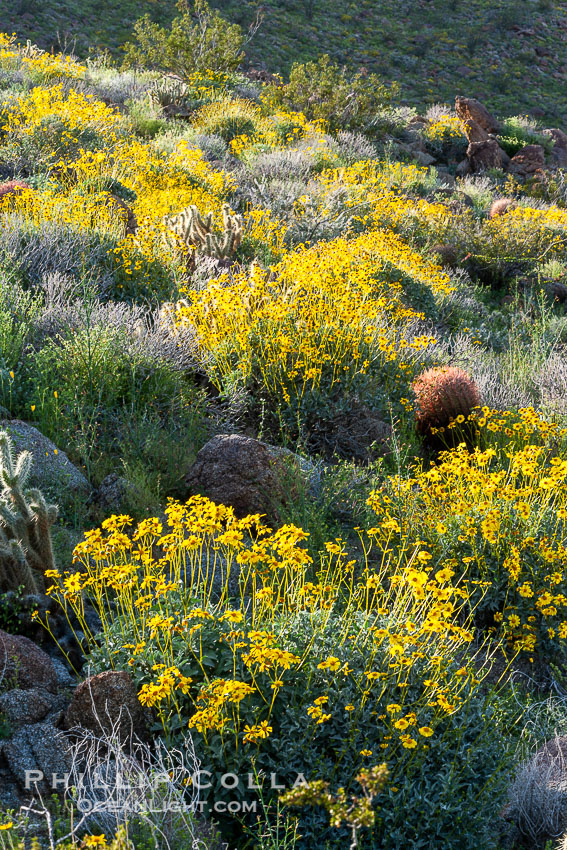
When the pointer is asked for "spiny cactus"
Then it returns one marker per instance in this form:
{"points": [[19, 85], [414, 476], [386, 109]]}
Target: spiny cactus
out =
{"points": [[197, 232], [501, 206], [442, 394], [169, 92], [12, 188], [26, 551]]}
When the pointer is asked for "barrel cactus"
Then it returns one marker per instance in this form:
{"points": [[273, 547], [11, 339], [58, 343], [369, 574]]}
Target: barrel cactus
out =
{"points": [[500, 206], [13, 188], [443, 395]]}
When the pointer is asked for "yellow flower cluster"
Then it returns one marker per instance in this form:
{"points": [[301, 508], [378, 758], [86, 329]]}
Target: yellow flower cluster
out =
{"points": [[445, 128], [527, 232], [36, 64], [276, 327], [496, 516], [26, 112], [406, 623], [377, 194]]}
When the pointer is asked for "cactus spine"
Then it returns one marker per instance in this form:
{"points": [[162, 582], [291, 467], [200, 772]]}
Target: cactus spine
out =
{"points": [[196, 231], [443, 394], [26, 550]]}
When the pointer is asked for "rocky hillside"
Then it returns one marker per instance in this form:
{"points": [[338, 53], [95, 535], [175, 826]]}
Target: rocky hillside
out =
{"points": [[512, 54]]}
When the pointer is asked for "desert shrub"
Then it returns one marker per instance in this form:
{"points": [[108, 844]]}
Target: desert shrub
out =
{"points": [[264, 651], [518, 131], [199, 39], [211, 147], [504, 247], [117, 87], [495, 518], [144, 118], [18, 309], [227, 118], [444, 136], [480, 189], [324, 92], [45, 125], [274, 344], [354, 147], [84, 380], [35, 251]]}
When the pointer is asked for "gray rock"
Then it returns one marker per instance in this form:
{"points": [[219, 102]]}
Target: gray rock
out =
{"points": [[22, 707], [423, 157], [37, 747], [528, 161], [246, 474], [52, 470], [64, 677], [111, 492], [559, 151], [485, 155], [24, 664], [107, 701]]}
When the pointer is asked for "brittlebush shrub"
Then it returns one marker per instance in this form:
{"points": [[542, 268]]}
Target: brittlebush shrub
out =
{"points": [[325, 92], [230, 629], [333, 324], [495, 518]]}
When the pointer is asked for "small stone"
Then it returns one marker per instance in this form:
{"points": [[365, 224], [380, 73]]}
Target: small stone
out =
{"points": [[22, 707], [559, 151], [25, 664], [528, 161], [111, 492], [37, 747], [463, 168], [64, 677], [105, 702], [423, 158]]}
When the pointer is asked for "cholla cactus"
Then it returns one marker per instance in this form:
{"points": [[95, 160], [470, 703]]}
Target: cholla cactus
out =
{"points": [[442, 395], [169, 92], [197, 232], [26, 550]]}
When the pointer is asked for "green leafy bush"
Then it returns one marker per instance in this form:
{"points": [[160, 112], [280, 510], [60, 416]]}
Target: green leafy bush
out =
{"points": [[325, 92], [290, 666], [198, 40]]}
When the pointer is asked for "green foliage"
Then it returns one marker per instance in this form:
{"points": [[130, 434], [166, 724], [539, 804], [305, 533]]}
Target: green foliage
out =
{"points": [[325, 92], [518, 131], [356, 812], [87, 385], [16, 609], [18, 308], [433, 791], [144, 118], [49, 142], [198, 40]]}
